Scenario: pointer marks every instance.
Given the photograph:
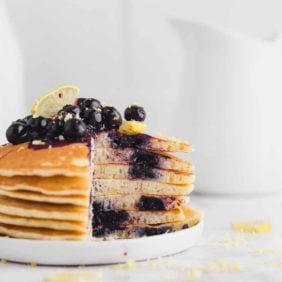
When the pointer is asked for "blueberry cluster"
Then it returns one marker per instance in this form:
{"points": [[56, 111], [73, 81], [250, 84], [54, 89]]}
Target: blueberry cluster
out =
{"points": [[73, 122]]}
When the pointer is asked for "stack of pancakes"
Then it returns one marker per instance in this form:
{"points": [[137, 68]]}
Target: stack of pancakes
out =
{"points": [[44, 193], [116, 186]]}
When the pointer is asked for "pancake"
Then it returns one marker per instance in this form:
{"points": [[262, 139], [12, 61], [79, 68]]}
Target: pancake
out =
{"points": [[67, 160], [118, 140], [122, 217], [119, 171], [55, 185], [103, 187], [39, 197], [23, 208], [139, 202], [127, 155], [43, 223], [39, 233], [192, 218]]}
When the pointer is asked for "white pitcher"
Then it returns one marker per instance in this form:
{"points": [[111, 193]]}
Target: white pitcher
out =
{"points": [[230, 108]]}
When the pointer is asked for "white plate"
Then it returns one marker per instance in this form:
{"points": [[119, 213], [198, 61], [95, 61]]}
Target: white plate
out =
{"points": [[98, 252]]}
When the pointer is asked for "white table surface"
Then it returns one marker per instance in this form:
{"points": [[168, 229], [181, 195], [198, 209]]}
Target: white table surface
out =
{"points": [[220, 255]]}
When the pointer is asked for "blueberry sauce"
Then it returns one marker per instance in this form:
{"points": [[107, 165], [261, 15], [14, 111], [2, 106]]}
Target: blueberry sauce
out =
{"points": [[149, 203]]}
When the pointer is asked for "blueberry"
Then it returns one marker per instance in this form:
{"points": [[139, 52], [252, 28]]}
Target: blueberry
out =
{"points": [[152, 231], [17, 133], [38, 127], [90, 103], [143, 157], [135, 112], [74, 128], [150, 203], [25, 120], [140, 171], [112, 118], [55, 128], [94, 118], [72, 109]]}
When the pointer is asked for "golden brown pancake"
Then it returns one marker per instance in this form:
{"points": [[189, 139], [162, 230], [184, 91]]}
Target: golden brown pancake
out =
{"points": [[54, 185], [22, 208], [43, 223], [39, 197], [40, 233], [120, 171], [192, 218], [153, 143], [135, 202], [103, 187], [124, 156], [68, 160]]}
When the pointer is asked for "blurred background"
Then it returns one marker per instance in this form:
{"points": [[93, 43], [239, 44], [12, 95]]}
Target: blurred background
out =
{"points": [[118, 50], [186, 61]]}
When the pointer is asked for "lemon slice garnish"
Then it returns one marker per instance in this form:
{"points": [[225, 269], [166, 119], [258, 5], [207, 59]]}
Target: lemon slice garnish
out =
{"points": [[50, 103]]}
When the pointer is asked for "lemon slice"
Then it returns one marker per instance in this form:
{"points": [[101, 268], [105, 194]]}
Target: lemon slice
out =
{"points": [[132, 127], [50, 103]]}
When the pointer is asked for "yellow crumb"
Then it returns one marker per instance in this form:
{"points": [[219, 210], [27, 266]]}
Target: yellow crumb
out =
{"points": [[261, 251], [3, 261], [252, 226], [210, 267], [132, 127], [279, 264], [20, 149], [212, 244], [235, 267], [223, 266], [33, 264], [130, 264], [75, 276], [193, 274], [38, 142]]}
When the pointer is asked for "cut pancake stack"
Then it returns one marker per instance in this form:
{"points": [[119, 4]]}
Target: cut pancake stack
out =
{"points": [[44, 194], [119, 186], [139, 187]]}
